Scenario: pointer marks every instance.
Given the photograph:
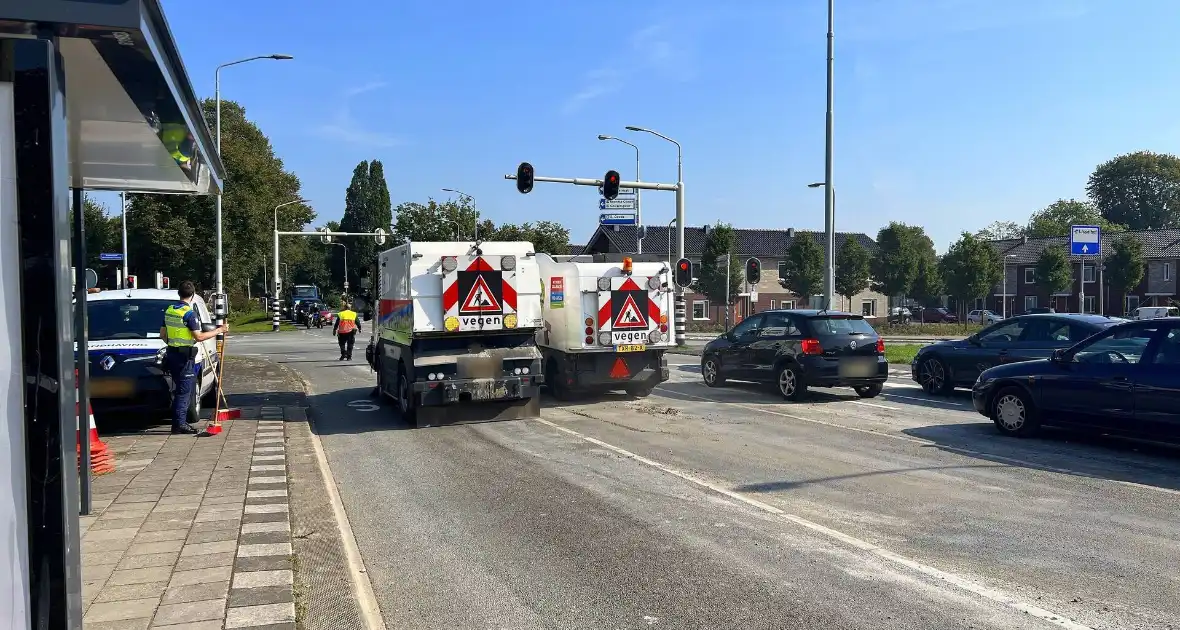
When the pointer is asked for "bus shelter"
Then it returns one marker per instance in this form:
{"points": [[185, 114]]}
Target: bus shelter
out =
{"points": [[93, 95]]}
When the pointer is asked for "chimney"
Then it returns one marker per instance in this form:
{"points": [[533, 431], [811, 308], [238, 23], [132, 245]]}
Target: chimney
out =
{"points": [[706, 229], [790, 232], [1024, 240]]}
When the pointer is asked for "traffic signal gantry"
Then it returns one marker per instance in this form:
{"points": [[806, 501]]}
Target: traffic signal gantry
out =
{"points": [[610, 184], [325, 237]]}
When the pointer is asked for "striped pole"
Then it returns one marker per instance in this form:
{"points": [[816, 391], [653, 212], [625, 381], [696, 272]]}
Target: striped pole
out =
{"points": [[274, 317], [681, 320]]}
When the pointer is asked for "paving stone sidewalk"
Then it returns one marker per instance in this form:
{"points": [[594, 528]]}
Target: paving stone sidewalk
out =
{"points": [[192, 533]]}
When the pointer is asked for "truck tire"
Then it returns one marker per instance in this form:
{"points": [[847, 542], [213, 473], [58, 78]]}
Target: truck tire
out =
{"points": [[557, 385], [405, 397]]}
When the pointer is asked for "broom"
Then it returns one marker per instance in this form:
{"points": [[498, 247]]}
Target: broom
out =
{"points": [[213, 427]]}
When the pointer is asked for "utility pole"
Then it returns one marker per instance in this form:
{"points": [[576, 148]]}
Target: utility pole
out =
{"points": [[123, 218], [829, 193], [728, 257]]}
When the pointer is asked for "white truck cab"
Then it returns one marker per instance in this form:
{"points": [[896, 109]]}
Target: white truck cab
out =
{"points": [[608, 323]]}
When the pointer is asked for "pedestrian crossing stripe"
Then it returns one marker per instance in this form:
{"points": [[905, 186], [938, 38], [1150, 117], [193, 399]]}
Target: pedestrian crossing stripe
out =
{"points": [[480, 298]]}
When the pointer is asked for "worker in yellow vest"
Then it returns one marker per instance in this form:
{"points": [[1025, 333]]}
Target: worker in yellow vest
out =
{"points": [[181, 331], [346, 327]]}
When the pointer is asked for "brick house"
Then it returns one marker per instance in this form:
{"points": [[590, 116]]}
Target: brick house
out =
{"points": [[769, 246], [1161, 253]]}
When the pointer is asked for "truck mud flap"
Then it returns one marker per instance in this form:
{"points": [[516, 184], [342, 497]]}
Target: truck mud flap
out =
{"points": [[477, 412]]}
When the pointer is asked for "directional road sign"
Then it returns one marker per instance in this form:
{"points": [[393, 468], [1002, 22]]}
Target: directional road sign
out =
{"points": [[1085, 240], [616, 204], [107, 256], [626, 192], [616, 218]]}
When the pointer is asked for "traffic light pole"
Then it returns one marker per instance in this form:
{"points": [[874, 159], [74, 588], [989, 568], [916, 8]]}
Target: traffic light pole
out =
{"points": [[681, 312]]}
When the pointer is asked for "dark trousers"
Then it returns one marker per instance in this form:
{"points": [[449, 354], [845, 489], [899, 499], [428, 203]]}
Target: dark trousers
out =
{"points": [[346, 341], [182, 368]]}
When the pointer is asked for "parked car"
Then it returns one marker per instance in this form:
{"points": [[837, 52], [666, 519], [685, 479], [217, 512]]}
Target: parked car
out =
{"points": [[983, 317], [938, 315], [943, 366], [1152, 312], [798, 349], [1123, 380]]}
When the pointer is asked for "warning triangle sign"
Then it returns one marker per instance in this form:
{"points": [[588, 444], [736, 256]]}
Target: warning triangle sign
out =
{"points": [[480, 298], [619, 370], [629, 316]]}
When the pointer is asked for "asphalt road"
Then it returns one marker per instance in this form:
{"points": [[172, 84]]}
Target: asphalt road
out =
{"points": [[728, 508]]}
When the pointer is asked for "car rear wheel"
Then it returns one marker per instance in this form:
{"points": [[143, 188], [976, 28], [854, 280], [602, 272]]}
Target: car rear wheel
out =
{"points": [[868, 391], [1014, 413], [711, 372], [934, 377], [790, 383]]}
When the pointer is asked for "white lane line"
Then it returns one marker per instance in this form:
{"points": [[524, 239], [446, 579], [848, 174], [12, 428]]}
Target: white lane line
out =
{"points": [[952, 579], [954, 449], [869, 404], [925, 400]]}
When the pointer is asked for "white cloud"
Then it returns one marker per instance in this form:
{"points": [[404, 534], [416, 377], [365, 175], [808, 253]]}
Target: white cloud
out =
{"points": [[344, 128]]}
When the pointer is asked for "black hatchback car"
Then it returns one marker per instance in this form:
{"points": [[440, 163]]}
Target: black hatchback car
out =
{"points": [[943, 366], [797, 349]]}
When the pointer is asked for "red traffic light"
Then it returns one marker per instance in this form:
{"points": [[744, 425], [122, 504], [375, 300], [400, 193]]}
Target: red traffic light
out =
{"points": [[683, 265]]}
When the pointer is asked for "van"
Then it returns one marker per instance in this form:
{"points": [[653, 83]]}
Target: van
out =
{"points": [[1155, 312]]}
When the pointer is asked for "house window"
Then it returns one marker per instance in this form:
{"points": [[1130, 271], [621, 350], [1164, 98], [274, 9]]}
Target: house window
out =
{"points": [[1030, 302], [816, 302], [772, 305], [787, 304], [1167, 271], [1030, 275], [1087, 273], [700, 309], [979, 305], [1091, 304], [1132, 303], [868, 308], [782, 269]]}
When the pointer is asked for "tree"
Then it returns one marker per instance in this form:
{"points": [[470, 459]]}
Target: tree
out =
{"points": [[103, 233], [549, 237], [366, 208], [720, 242], [805, 267], [1056, 218], [1001, 230], [852, 268], [433, 221], [176, 234], [928, 286], [970, 268], [1140, 190], [1052, 270], [900, 251], [1125, 265]]}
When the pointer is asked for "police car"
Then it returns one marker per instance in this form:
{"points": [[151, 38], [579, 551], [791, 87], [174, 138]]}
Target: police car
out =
{"points": [[127, 369]]}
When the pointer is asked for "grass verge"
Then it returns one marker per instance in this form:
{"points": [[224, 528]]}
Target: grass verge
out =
{"points": [[928, 330], [256, 321], [901, 353]]}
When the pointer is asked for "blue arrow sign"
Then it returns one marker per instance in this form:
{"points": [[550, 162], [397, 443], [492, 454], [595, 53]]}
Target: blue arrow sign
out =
{"points": [[616, 219], [110, 256], [1085, 240]]}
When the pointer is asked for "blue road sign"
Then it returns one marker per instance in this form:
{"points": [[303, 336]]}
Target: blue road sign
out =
{"points": [[1085, 240], [616, 219], [106, 256]]}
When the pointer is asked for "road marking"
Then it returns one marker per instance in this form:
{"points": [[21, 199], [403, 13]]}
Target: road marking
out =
{"points": [[363, 405], [869, 404], [952, 579], [926, 400], [954, 449]]}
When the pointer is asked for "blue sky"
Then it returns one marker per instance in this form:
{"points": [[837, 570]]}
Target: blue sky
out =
{"points": [[949, 113]]}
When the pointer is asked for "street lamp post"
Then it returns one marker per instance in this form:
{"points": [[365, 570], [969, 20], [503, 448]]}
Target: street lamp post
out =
{"points": [[123, 218], [345, 265], [829, 192], [274, 309], [681, 318], [829, 245], [638, 193], [219, 306], [474, 206]]}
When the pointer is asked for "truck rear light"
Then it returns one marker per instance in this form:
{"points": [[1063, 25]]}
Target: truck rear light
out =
{"points": [[663, 328], [589, 340], [589, 331], [604, 284], [655, 336], [811, 346], [449, 264], [589, 321], [654, 283], [508, 263], [604, 338], [880, 346]]}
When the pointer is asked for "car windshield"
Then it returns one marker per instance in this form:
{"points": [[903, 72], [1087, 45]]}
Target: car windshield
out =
{"points": [[304, 292], [125, 319], [841, 326]]}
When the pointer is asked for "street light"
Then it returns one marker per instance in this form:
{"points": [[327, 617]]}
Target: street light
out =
{"points": [[276, 242], [638, 211], [681, 319], [345, 265], [829, 246], [123, 218], [219, 302], [474, 206], [1004, 289]]}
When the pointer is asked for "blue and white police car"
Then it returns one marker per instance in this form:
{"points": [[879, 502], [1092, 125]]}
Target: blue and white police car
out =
{"points": [[127, 370]]}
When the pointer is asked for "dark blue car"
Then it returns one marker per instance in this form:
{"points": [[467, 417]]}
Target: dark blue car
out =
{"points": [[1124, 380]]}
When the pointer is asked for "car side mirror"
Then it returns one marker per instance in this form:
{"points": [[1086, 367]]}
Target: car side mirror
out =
{"points": [[973, 340], [1058, 356], [208, 328]]}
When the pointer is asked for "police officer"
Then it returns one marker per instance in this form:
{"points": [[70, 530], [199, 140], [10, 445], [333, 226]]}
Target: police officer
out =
{"points": [[345, 329], [182, 330]]}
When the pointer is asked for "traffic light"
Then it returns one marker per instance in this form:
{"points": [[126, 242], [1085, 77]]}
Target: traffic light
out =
{"points": [[132, 281], [610, 185], [166, 283], [683, 275], [753, 270], [524, 178]]}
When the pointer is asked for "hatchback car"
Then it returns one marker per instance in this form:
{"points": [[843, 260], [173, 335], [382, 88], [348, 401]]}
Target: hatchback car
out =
{"points": [[1124, 380], [941, 367], [798, 349]]}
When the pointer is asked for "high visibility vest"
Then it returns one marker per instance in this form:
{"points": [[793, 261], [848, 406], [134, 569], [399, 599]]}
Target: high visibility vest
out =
{"points": [[178, 142], [179, 336], [347, 322]]}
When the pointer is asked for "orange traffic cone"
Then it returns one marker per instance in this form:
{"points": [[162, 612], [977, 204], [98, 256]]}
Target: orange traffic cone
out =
{"points": [[102, 460]]}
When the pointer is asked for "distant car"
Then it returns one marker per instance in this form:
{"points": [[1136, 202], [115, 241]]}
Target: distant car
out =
{"points": [[798, 349], [127, 371], [1124, 380], [1040, 310], [983, 317], [938, 315], [943, 366]]}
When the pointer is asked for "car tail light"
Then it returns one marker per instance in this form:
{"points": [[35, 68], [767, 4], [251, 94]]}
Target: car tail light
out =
{"points": [[880, 346], [811, 346]]}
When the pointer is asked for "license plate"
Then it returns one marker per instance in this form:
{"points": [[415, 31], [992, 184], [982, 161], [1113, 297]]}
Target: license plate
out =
{"points": [[112, 388], [631, 348], [858, 369]]}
